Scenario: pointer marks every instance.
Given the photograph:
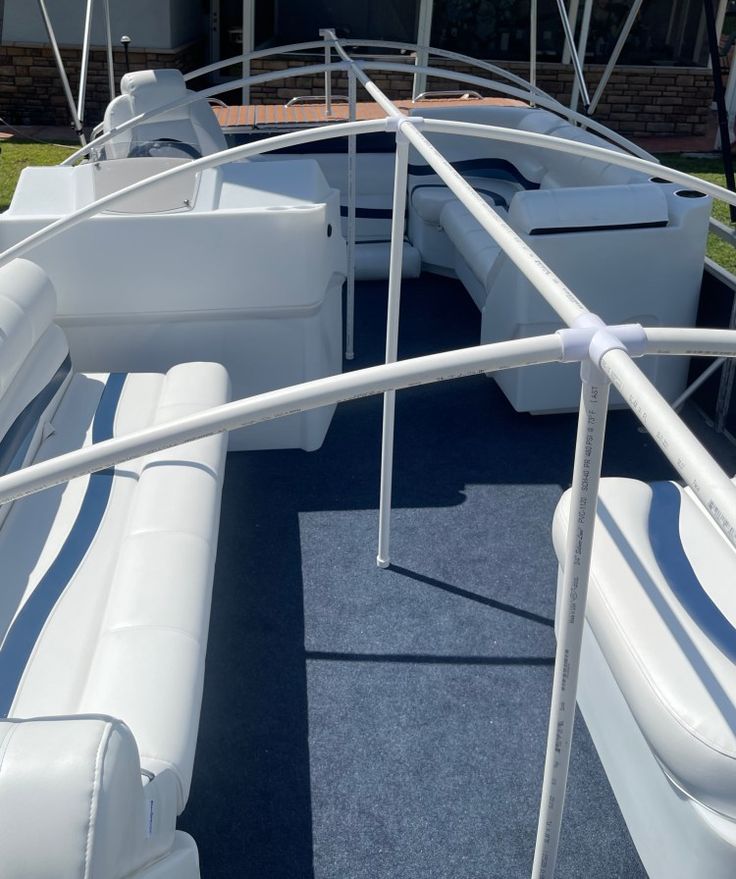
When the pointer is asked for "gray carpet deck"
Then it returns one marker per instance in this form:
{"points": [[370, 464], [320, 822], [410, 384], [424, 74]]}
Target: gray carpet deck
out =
{"points": [[360, 722]]}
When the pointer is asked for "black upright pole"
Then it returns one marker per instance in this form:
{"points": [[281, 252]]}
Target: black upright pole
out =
{"points": [[125, 40], [720, 97]]}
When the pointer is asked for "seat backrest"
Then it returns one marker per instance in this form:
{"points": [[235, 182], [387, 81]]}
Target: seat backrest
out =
{"points": [[34, 361], [191, 130]]}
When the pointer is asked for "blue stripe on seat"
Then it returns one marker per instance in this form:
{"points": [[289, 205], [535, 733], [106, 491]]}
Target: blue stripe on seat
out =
{"points": [[664, 535], [496, 169], [17, 439], [28, 624]]}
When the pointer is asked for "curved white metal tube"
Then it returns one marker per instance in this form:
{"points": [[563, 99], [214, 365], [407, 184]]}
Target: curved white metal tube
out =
{"points": [[277, 404]]}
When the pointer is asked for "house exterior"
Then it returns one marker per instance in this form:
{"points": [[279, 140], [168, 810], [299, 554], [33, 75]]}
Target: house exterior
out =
{"points": [[662, 84]]}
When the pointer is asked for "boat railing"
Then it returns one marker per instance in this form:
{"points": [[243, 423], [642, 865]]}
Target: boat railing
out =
{"points": [[605, 353], [522, 93]]}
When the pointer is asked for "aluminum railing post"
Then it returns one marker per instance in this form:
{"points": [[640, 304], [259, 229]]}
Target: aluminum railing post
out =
{"points": [[383, 557], [570, 42], [571, 613], [62, 73], [329, 37], [84, 68], [613, 60], [579, 87], [352, 197], [532, 51], [110, 57]]}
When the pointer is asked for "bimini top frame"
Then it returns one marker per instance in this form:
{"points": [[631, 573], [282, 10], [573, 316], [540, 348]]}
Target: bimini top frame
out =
{"points": [[605, 354]]}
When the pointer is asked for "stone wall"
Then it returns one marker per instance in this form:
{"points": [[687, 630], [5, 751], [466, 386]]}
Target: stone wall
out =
{"points": [[638, 100], [30, 87]]}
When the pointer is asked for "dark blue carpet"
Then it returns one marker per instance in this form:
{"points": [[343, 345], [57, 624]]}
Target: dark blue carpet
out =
{"points": [[364, 723]]}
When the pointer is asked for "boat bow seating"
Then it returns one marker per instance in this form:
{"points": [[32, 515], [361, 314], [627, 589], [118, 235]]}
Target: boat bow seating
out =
{"points": [[632, 247], [658, 687], [104, 608]]}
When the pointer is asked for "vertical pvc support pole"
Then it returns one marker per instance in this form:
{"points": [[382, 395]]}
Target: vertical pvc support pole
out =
{"points": [[383, 558], [110, 58], [578, 86], [352, 198], [85, 60], [571, 616], [62, 73], [532, 51]]}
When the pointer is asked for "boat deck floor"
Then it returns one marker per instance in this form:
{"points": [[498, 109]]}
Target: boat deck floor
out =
{"points": [[360, 722], [313, 113]]}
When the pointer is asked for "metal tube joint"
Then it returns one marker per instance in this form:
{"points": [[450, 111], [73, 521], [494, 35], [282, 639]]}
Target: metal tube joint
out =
{"points": [[590, 338], [396, 123]]}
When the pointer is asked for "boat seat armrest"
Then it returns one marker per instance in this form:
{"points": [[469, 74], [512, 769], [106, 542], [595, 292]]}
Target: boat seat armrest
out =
{"points": [[578, 209], [73, 802]]}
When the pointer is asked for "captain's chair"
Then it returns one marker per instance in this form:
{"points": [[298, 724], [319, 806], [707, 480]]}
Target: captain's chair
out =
{"points": [[191, 130]]}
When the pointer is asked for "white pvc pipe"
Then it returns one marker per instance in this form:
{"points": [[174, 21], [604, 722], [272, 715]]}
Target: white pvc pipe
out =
{"points": [[686, 454], [578, 148], [352, 200], [691, 341], [229, 155], [570, 616], [277, 404], [85, 58], [401, 163], [191, 99]]}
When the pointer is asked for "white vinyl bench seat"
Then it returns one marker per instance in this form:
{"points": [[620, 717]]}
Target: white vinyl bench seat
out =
{"points": [[662, 614], [106, 587]]}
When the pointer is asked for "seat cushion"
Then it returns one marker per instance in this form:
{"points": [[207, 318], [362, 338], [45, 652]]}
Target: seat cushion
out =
{"points": [[663, 609], [107, 579], [471, 241], [428, 199]]}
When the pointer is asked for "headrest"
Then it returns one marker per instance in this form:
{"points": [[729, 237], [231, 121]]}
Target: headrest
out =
{"points": [[578, 209], [153, 88], [27, 308]]}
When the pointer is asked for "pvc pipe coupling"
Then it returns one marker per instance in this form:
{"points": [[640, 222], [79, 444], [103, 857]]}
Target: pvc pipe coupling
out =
{"points": [[589, 339], [396, 123]]}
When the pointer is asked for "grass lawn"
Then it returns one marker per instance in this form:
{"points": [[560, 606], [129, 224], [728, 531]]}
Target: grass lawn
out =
{"points": [[17, 155], [711, 170]]}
